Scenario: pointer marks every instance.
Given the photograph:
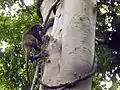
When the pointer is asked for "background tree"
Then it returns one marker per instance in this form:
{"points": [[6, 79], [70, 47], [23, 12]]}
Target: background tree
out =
{"points": [[72, 45]]}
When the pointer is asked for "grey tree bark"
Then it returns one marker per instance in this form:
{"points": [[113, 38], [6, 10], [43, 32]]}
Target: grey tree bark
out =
{"points": [[71, 46]]}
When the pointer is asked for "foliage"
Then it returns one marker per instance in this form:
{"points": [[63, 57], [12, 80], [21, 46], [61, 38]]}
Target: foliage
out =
{"points": [[12, 26], [108, 23], [15, 20]]}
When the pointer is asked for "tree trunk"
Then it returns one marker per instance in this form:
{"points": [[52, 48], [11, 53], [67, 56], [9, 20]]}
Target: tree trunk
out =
{"points": [[71, 46]]}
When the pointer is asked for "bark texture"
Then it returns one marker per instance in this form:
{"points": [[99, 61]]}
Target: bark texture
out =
{"points": [[71, 46]]}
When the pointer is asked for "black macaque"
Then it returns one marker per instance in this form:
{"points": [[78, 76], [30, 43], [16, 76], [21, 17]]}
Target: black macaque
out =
{"points": [[31, 40]]}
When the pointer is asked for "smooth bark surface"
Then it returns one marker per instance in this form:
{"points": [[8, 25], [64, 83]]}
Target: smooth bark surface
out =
{"points": [[71, 46]]}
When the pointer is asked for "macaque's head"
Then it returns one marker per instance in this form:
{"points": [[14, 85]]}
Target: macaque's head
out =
{"points": [[35, 31]]}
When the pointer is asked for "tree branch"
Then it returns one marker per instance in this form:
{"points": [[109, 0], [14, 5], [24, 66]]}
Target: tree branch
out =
{"points": [[35, 77], [39, 2], [50, 10]]}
